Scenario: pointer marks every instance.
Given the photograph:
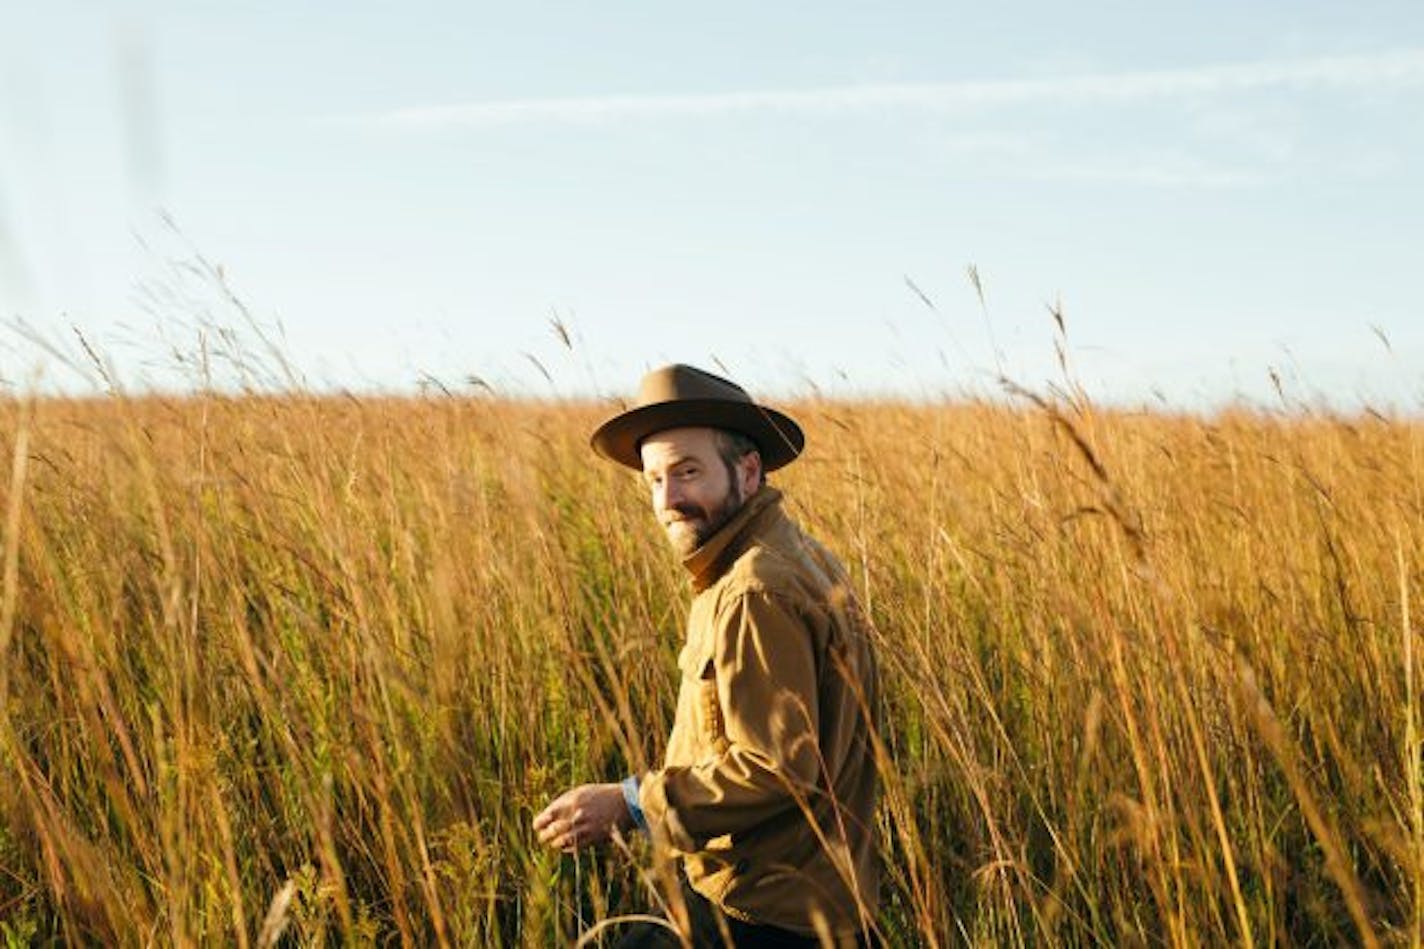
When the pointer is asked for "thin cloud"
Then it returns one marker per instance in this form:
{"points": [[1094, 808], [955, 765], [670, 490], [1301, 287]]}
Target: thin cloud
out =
{"points": [[1402, 68], [1179, 172]]}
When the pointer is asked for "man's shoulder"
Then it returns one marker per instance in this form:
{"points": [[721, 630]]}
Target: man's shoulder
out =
{"points": [[760, 569], [784, 562]]}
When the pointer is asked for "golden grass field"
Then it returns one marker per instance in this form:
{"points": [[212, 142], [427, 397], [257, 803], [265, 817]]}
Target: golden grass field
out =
{"points": [[316, 662]]}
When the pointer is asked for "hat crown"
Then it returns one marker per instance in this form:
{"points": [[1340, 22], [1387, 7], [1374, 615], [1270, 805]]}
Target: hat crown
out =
{"points": [[683, 396], [679, 383]]}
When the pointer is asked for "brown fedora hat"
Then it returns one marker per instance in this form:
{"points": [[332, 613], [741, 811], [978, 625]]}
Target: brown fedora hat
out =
{"points": [[679, 396]]}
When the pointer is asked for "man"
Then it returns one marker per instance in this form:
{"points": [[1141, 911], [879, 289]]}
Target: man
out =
{"points": [[767, 790]]}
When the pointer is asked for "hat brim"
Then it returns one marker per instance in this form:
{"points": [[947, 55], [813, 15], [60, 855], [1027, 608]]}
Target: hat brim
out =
{"points": [[779, 439]]}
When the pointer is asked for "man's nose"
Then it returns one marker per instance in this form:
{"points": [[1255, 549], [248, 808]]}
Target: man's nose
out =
{"points": [[666, 495]]}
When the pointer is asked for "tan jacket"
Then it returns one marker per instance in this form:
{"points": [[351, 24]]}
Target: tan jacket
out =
{"points": [[768, 786]]}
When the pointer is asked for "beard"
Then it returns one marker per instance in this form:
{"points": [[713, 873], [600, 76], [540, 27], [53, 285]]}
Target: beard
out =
{"points": [[689, 526]]}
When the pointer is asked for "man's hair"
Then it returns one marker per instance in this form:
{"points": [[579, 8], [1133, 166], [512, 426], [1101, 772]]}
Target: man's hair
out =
{"points": [[732, 447]]}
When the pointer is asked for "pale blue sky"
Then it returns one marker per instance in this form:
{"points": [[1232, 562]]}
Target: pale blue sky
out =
{"points": [[1213, 190]]}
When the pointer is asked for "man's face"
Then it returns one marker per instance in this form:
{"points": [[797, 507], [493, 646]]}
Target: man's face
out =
{"points": [[693, 492]]}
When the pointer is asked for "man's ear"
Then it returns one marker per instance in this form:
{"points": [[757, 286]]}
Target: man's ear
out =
{"points": [[749, 470]]}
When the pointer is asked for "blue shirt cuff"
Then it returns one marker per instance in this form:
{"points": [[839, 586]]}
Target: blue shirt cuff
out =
{"points": [[630, 797]]}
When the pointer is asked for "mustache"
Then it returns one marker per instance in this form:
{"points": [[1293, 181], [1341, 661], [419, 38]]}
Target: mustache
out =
{"points": [[684, 512]]}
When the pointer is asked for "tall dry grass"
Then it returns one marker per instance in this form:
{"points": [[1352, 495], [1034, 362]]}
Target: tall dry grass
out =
{"points": [[308, 666]]}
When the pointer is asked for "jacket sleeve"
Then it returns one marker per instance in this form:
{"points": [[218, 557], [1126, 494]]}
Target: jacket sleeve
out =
{"points": [[766, 758]]}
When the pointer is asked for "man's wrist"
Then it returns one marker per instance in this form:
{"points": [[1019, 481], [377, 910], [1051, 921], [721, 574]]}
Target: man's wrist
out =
{"points": [[630, 797]]}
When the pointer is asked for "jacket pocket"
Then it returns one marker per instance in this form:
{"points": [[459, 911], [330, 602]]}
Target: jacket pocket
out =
{"points": [[699, 678], [714, 726]]}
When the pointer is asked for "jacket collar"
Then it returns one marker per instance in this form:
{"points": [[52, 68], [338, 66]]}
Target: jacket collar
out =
{"points": [[707, 562]]}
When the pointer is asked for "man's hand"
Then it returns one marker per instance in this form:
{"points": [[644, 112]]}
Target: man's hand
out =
{"points": [[587, 814]]}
